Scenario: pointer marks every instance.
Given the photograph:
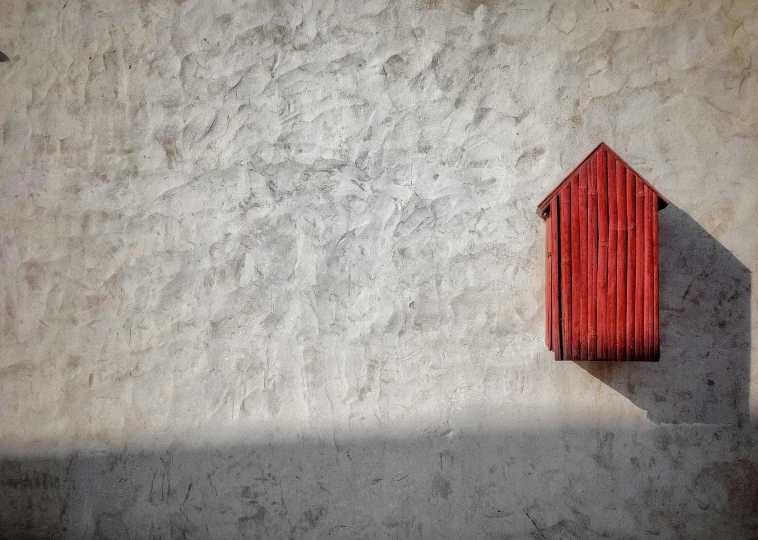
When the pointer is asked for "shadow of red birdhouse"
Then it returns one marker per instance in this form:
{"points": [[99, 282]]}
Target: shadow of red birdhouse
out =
{"points": [[602, 262]]}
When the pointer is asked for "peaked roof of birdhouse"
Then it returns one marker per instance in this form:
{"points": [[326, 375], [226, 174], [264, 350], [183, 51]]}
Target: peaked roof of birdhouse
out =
{"points": [[542, 207]]}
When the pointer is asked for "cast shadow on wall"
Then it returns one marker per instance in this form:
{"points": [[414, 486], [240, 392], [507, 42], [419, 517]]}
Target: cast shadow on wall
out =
{"points": [[703, 375], [572, 484]]}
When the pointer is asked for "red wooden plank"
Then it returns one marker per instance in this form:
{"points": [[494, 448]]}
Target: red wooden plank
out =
{"points": [[592, 255], [630, 263], [639, 272], [548, 283], [565, 257], [602, 255], [556, 307], [584, 261], [649, 211], [621, 272], [612, 258], [575, 272], [656, 292]]}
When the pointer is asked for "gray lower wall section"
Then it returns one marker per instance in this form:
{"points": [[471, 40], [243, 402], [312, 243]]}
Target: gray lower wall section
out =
{"points": [[686, 482]]}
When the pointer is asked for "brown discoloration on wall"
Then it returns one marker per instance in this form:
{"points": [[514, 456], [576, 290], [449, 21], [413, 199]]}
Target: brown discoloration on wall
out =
{"points": [[441, 486], [33, 274]]}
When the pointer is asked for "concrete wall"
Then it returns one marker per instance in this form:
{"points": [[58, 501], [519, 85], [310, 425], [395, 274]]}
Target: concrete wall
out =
{"points": [[274, 269]]}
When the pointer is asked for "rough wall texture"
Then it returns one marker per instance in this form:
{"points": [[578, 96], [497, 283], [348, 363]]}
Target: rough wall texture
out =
{"points": [[274, 270]]}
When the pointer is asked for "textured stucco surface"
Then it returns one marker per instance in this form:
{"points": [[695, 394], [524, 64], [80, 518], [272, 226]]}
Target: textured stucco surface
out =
{"points": [[274, 270]]}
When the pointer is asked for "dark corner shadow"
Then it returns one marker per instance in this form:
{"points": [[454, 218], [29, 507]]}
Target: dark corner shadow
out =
{"points": [[703, 375]]}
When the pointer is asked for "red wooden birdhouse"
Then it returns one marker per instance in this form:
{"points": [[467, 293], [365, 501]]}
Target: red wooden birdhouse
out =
{"points": [[602, 262]]}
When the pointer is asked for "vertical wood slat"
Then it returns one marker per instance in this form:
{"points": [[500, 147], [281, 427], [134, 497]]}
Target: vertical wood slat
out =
{"points": [[612, 225], [621, 270], [548, 283], [656, 292], [555, 331], [639, 289], [584, 262], [630, 263], [575, 272], [648, 317], [602, 255], [565, 282], [592, 255]]}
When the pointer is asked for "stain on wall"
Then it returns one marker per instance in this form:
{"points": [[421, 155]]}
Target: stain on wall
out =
{"points": [[272, 269]]}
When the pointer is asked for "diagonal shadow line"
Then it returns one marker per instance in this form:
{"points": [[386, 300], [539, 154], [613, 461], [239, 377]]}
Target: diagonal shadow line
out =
{"points": [[703, 375]]}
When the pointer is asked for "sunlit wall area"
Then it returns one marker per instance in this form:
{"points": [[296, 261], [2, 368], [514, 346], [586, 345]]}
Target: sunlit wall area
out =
{"points": [[274, 269]]}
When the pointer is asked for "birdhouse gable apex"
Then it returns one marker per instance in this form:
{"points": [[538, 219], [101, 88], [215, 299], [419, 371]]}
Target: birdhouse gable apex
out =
{"points": [[542, 208]]}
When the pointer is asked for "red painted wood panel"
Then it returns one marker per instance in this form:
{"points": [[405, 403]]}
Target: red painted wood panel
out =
{"points": [[555, 300], [584, 262], [656, 291], [602, 254], [592, 256], [575, 272], [639, 291], [649, 210], [548, 283], [612, 258], [621, 274], [602, 275], [631, 206], [565, 281]]}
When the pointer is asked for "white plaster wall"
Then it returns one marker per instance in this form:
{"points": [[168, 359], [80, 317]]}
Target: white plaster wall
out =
{"points": [[274, 269]]}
